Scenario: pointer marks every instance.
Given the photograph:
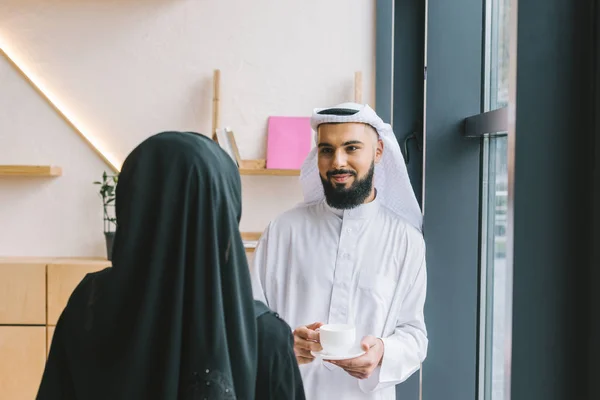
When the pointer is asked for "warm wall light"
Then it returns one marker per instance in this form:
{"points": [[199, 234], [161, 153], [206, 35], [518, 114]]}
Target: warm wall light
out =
{"points": [[55, 103]]}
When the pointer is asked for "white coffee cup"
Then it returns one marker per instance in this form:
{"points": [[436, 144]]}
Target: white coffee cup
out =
{"points": [[337, 338]]}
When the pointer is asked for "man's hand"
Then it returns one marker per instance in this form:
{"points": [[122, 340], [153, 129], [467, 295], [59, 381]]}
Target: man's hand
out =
{"points": [[306, 339], [362, 367]]}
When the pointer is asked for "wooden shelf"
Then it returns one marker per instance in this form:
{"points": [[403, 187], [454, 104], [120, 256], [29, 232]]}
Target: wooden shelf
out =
{"points": [[250, 237], [270, 172], [30, 170], [258, 167]]}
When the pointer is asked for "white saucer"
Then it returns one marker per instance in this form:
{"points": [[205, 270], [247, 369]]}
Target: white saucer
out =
{"points": [[354, 352]]}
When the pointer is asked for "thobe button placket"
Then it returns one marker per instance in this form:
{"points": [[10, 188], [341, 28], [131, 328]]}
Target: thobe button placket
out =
{"points": [[344, 270]]}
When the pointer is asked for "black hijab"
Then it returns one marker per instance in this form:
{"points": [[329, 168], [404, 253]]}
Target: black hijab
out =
{"points": [[174, 317]]}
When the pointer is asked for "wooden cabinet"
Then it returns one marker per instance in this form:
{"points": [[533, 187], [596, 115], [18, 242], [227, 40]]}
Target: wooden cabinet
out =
{"points": [[33, 293], [22, 292], [63, 278], [49, 335], [22, 360]]}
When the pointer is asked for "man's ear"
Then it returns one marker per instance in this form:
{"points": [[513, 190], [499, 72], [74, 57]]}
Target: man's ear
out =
{"points": [[378, 151]]}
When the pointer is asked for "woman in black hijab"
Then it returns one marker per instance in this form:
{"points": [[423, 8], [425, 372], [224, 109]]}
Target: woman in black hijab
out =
{"points": [[174, 316]]}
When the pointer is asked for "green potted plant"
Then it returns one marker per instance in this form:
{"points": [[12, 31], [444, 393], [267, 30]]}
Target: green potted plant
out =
{"points": [[107, 193]]}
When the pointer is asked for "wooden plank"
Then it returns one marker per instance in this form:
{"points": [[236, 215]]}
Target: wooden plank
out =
{"points": [[62, 280], [251, 235], [253, 164], [358, 87], [50, 260], [22, 360], [26, 260], [30, 170], [22, 294], [234, 147], [216, 98], [93, 262], [269, 172]]}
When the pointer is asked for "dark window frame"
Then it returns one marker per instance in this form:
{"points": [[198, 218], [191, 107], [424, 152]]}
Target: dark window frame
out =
{"points": [[552, 117]]}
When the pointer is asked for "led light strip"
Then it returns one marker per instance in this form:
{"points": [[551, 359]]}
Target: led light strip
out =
{"points": [[55, 103]]}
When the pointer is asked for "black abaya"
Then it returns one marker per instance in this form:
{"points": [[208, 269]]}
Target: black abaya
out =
{"points": [[174, 317], [278, 375]]}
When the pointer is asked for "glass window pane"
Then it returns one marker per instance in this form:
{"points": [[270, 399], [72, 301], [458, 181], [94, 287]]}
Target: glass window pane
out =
{"points": [[494, 206], [497, 48], [494, 262]]}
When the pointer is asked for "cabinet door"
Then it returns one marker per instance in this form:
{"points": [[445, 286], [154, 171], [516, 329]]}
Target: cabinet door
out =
{"points": [[62, 280], [22, 294], [22, 360], [49, 335]]}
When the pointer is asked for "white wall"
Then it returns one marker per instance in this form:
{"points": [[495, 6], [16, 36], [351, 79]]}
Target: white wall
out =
{"points": [[127, 69]]}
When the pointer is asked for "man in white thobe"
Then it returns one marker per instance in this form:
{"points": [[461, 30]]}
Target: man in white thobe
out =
{"points": [[354, 253]]}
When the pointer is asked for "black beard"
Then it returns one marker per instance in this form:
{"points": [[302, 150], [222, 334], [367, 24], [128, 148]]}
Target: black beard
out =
{"points": [[337, 196]]}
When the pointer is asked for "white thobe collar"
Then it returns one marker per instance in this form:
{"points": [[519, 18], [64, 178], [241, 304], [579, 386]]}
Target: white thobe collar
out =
{"points": [[362, 211]]}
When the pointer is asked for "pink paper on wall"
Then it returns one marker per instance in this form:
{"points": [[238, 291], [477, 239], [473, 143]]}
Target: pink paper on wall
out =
{"points": [[288, 142]]}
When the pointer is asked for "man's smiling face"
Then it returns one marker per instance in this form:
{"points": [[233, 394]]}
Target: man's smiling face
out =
{"points": [[347, 156]]}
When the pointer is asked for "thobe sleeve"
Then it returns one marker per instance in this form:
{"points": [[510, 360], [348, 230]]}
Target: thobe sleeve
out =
{"points": [[258, 272], [406, 348]]}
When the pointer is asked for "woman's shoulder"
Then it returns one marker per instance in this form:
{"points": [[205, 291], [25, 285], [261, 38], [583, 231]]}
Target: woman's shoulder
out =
{"points": [[272, 327], [88, 281], [84, 290], [275, 325]]}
